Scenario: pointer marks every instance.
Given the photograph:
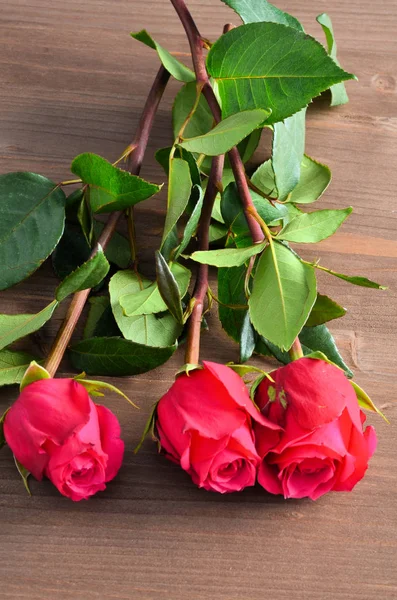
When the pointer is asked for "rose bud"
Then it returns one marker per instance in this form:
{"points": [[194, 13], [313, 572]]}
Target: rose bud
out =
{"points": [[55, 429], [322, 445], [204, 424]]}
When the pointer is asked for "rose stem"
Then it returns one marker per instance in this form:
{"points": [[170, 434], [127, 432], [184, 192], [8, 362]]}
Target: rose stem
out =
{"points": [[65, 332], [200, 290], [195, 42]]}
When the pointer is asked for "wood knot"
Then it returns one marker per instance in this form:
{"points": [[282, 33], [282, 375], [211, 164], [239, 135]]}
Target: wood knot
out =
{"points": [[385, 84]]}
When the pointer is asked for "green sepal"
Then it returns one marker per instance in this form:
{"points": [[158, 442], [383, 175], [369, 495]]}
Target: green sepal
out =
{"points": [[24, 473], [2, 438], [94, 387], [149, 428], [34, 372]]}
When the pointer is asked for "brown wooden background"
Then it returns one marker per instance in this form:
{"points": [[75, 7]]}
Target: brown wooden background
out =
{"points": [[71, 81]]}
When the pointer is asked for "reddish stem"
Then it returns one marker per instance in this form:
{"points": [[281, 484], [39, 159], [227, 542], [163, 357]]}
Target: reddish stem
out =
{"points": [[193, 339], [141, 139]]}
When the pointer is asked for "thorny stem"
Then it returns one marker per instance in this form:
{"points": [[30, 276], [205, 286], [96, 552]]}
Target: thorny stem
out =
{"points": [[134, 165], [200, 290]]}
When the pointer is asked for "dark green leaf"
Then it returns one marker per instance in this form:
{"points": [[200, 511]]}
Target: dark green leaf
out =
{"points": [[338, 92], [172, 64], [151, 330], [179, 188], [192, 223], [87, 276], [314, 180], [287, 153], [72, 251], [217, 233], [254, 11], [32, 215], [320, 338], [118, 249], [231, 292], [314, 227], [117, 357], [228, 133], [227, 257], [202, 119], [13, 366], [266, 74], [111, 188], [84, 217], [283, 295], [163, 158], [14, 327], [100, 321], [247, 339], [325, 309], [168, 288]]}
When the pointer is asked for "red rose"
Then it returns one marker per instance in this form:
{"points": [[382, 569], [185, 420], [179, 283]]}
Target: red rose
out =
{"points": [[55, 429], [204, 424], [322, 445]]}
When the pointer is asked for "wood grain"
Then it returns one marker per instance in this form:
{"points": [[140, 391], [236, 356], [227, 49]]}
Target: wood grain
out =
{"points": [[73, 80]]}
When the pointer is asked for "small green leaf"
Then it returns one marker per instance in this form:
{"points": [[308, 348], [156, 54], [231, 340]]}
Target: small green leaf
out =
{"points": [[338, 92], [314, 180], [325, 309], [90, 274], [252, 68], [254, 11], [314, 227], [159, 330], [148, 300], [354, 279], [84, 217], [14, 327], [34, 372], [179, 188], [115, 356], [168, 288], [111, 189], [13, 366], [192, 223], [320, 339], [247, 339], [177, 69], [365, 401], [287, 152], [32, 215], [282, 297], [227, 257], [2, 438], [228, 133], [24, 473]]}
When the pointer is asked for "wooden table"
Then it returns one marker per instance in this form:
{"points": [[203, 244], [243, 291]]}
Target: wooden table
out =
{"points": [[72, 81]]}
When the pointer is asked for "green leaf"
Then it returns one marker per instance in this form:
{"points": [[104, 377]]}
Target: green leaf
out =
{"points": [[320, 338], [168, 288], [32, 215], [247, 339], [202, 119], [254, 11], [314, 227], [118, 249], [288, 151], [253, 68], [163, 158], [325, 309], [314, 180], [24, 473], [2, 438], [283, 295], [228, 133], [177, 69], [149, 427], [192, 224], [338, 92], [90, 274], [72, 251], [365, 401], [117, 357], [13, 366], [233, 215], [84, 217], [34, 372], [14, 327], [179, 188], [231, 292], [148, 300], [111, 189], [217, 233], [354, 279], [227, 257], [159, 330], [98, 306]]}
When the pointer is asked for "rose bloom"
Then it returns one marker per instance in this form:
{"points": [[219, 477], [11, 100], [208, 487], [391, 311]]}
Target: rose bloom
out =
{"points": [[55, 429], [321, 445], [204, 424]]}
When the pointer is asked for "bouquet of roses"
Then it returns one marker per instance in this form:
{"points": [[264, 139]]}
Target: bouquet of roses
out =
{"points": [[297, 430]]}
